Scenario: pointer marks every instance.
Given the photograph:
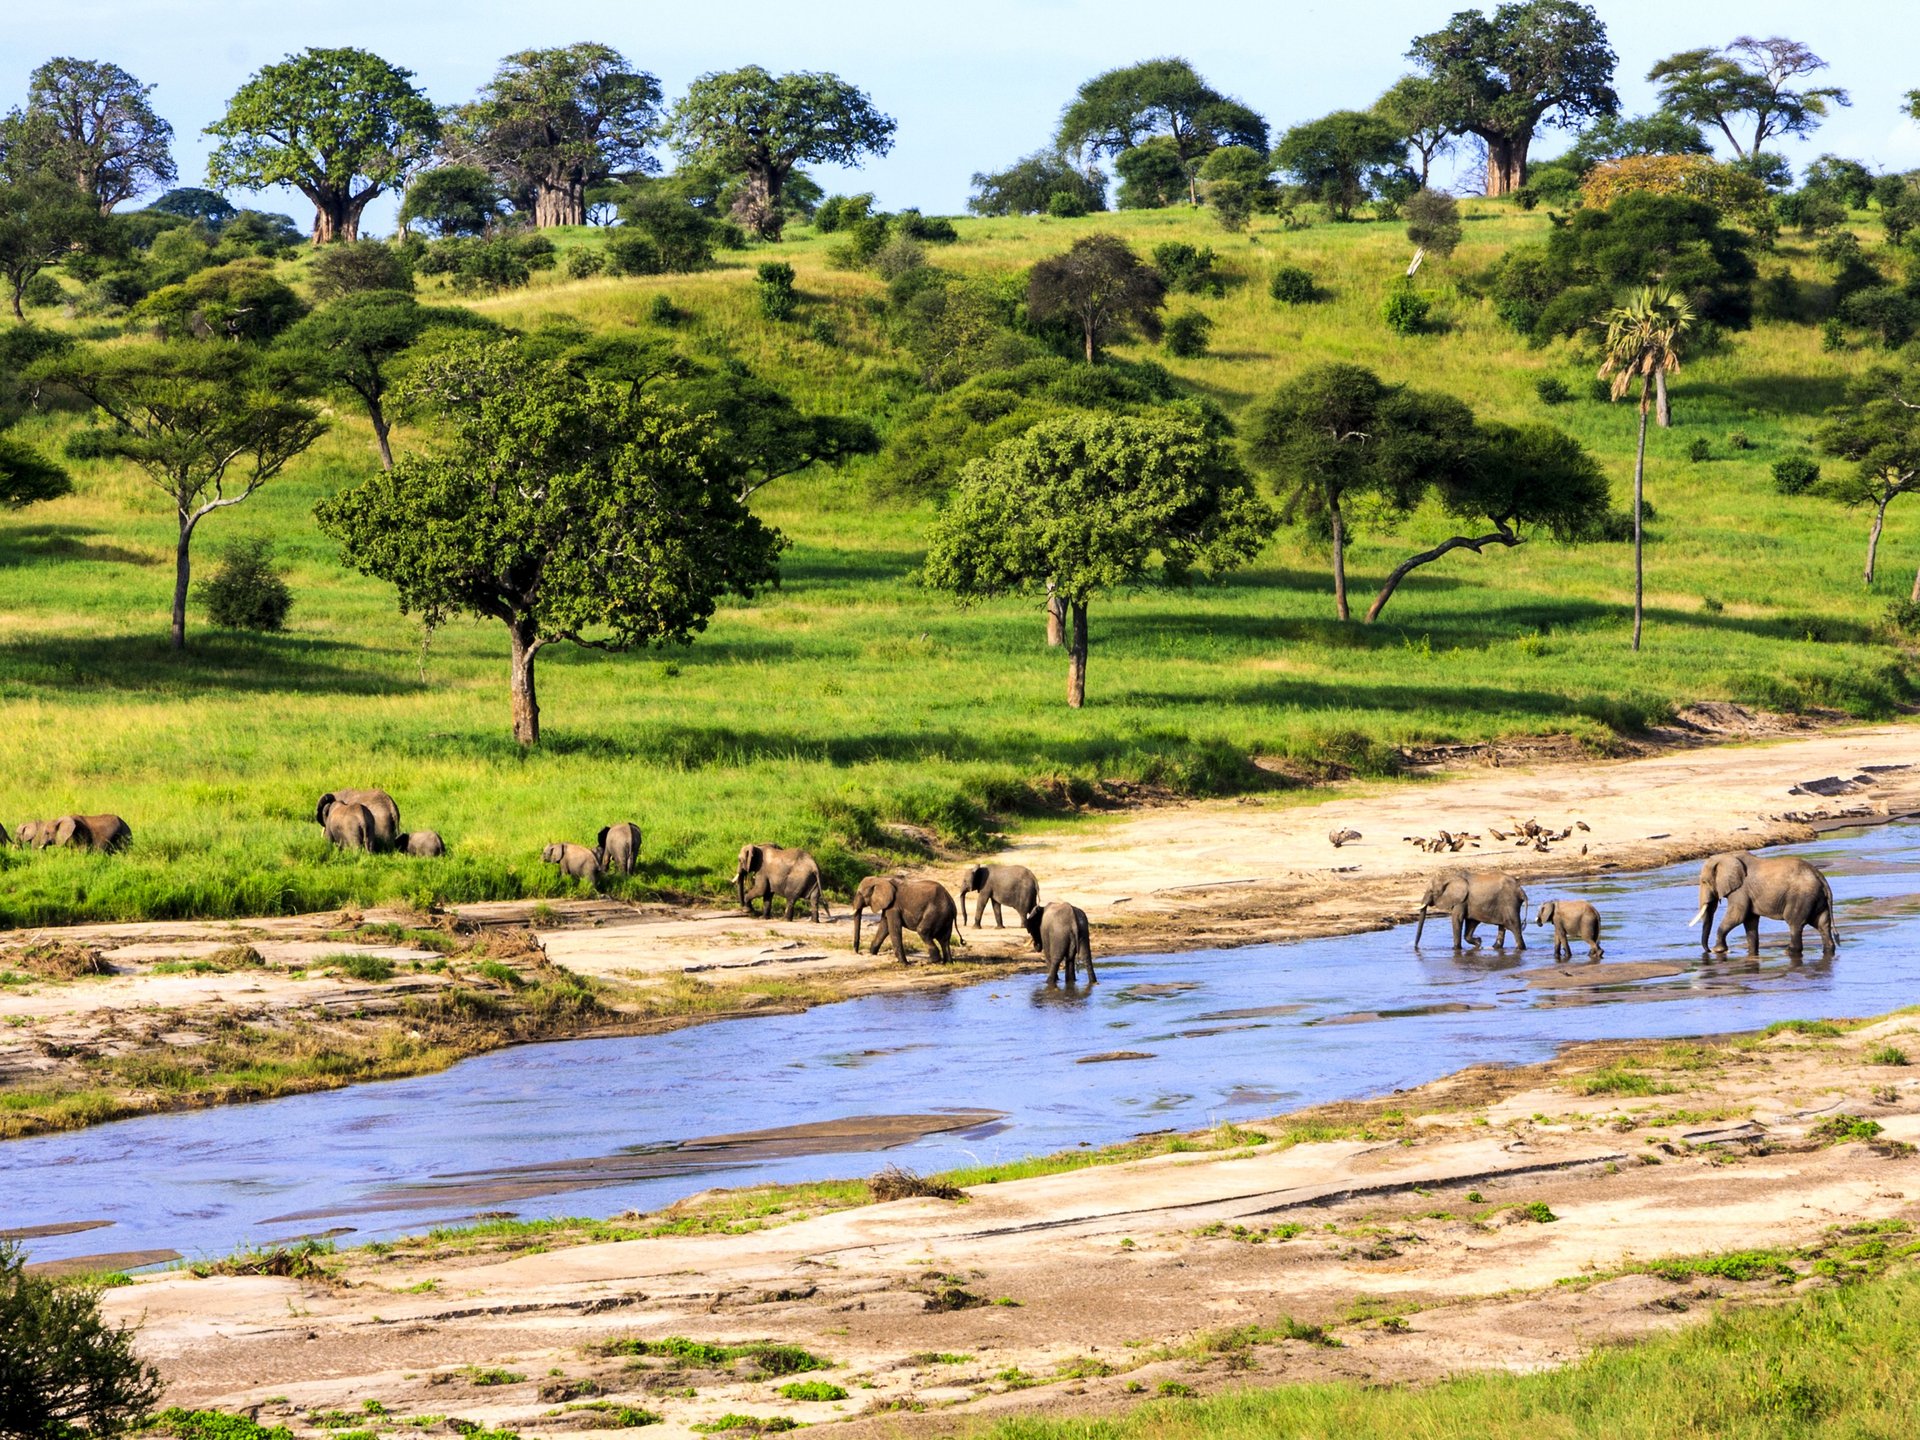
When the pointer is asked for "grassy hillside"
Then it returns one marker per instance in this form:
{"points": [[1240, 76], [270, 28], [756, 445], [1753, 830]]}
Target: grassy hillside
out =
{"points": [[851, 696]]}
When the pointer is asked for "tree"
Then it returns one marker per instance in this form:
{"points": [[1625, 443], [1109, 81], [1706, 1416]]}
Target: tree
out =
{"points": [[1417, 107], [1751, 78], [341, 126], [42, 220], [1165, 100], [1615, 137], [1342, 158], [1086, 504], [1433, 222], [1643, 338], [760, 127], [1528, 65], [452, 200], [351, 346], [209, 424], [28, 477], [1878, 428], [568, 509], [1103, 287], [1516, 476], [209, 207], [1027, 186], [241, 300], [1152, 175], [63, 1369], [90, 124], [555, 123], [1341, 446]]}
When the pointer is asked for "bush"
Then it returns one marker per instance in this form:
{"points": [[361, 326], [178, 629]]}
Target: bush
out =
{"points": [[1405, 312], [1700, 449], [61, 1366], [837, 212], [900, 256], [662, 311], [1795, 474], [1186, 334], [583, 263], [1065, 205], [1739, 440], [353, 266], [1433, 222], [1291, 285], [774, 281], [1552, 390], [630, 254], [41, 291], [864, 237], [928, 229], [1188, 270], [245, 591], [1231, 203]]}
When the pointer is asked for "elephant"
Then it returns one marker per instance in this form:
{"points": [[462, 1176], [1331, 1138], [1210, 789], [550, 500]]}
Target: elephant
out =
{"points": [[1779, 887], [28, 836], [576, 862], [1572, 920], [1474, 897], [923, 906], [997, 885], [1059, 932], [350, 825], [379, 804], [426, 843], [618, 848], [779, 873], [104, 833]]}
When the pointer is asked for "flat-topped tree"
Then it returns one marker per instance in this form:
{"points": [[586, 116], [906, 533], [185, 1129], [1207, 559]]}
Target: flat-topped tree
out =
{"points": [[1121, 109], [1525, 66], [341, 126], [556, 123], [42, 221], [91, 124], [1087, 504], [568, 509], [1749, 86]]}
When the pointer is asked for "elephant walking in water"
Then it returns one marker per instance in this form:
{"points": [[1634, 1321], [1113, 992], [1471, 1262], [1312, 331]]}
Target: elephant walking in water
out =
{"points": [[923, 906], [1476, 897], [1059, 932], [1571, 920], [1011, 885], [1778, 887]]}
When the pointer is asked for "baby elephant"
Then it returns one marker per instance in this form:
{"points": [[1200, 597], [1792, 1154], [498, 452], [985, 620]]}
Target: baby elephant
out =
{"points": [[576, 862], [619, 848], [1572, 920], [380, 809], [422, 842], [1012, 885], [1059, 932], [349, 825]]}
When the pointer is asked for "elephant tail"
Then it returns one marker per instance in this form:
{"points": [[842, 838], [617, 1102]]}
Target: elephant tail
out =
{"points": [[1826, 894]]}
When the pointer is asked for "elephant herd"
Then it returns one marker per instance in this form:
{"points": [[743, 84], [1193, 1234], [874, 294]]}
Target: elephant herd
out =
{"points": [[1752, 887], [104, 833]]}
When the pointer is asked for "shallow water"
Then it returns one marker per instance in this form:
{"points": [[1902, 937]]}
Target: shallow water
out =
{"points": [[594, 1127]]}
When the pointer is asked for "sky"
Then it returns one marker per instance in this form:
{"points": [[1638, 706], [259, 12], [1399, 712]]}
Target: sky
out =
{"points": [[974, 84]]}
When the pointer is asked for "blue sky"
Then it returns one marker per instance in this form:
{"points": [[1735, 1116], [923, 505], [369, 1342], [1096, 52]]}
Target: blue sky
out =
{"points": [[973, 84]]}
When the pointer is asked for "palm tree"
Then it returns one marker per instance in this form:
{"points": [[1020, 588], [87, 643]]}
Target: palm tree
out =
{"points": [[1643, 339]]}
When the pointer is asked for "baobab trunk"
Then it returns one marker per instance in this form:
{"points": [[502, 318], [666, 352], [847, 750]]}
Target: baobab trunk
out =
{"points": [[1339, 563], [1056, 617], [1873, 538], [1506, 163], [1639, 510], [337, 217], [526, 704], [559, 202], [1077, 657]]}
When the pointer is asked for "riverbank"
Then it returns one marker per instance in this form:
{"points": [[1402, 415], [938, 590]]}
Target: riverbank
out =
{"points": [[107, 1021]]}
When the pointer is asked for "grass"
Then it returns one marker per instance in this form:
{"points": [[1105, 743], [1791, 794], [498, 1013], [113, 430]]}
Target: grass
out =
{"points": [[893, 705], [767, 1358], [1619, 1080]]}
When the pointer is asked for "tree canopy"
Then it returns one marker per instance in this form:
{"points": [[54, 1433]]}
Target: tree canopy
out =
{"points": [[1749, 86], [1877, 427], [1102, 288], [90, 124], [28, 477], [63, 1369], [1417, 106], [42, 220], [452, 200], [1344, 158], [1166, 99], [341, 126], [1027, 186]]}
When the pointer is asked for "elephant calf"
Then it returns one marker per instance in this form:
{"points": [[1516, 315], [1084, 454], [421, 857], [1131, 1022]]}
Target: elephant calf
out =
{"points": [[381, 811], [1476, 897], [923, 906], [104, 833], [1059, 932], [618, 848], [576, 862], [425, 843], [29, 833], [349, 825], [998, 885], [779, 873], [1571, 920], [1779, 887]]}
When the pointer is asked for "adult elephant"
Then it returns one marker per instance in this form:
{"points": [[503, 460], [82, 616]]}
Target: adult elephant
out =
{"points": [[618, 848], [922, 906], [386, 814], [1777, 887], [1010, 885], [348, 825], [104, 833], [778, 873], [1060, 934], [1476, 897]]}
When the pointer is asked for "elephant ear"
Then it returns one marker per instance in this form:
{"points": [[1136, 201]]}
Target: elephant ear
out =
{"points": [[602, 840], [884, 892], [551, 854], [751, 858]]}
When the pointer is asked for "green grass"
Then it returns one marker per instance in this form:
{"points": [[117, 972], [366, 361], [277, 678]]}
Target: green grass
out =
{"points": [[1619, 1080], [767, 1358], [850, 697]]}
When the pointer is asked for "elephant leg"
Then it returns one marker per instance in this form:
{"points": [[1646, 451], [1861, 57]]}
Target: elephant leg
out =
{"points": [[1519, 935], [1753, 935], [1795, 948], [1594, 952], [999, 920], [1828, 944], [1459, 919], [896, 930], [1053, 971], [792, 901]]}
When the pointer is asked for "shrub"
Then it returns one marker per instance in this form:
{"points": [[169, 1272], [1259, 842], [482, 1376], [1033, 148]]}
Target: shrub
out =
{"points": [[1552, 390], [1739, 440], [1186, 334], [928, 229], [371, 969], [774, 281], [1291, 285], [1433, 222], [1065, 205], [246, 591], [1188, 269], [662, 311], [1795, 474], [812, 1390], [899, 256], [1405, 311], [1700, 449], [1833, 335], [61, 1366], [1887, 1055], [632, 254], [1231, 203], [353, 266], [41, 291], [1903, 617], [582, 263]]}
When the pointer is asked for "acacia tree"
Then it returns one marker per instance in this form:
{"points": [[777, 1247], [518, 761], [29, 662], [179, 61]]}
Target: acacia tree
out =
{"points": [[42, 220], [1643, 339], [1525, 66], [1750, 78], [1342, 446], [341, 126], [1103, 287], [1342, 158], [91, 124], [1087, 504], [1878, 428], [63, 1369], [452, 200], [209, 423], [554, 123], [1164, 99], [1516, 476], [568, 509], [761, 127], [1417, 107]]}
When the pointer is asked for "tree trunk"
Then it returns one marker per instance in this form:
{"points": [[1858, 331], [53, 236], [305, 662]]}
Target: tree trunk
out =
{"points": [[1873, 536], [334, 219], [526, 705], [1427, 557], [1339, 563], [1087, 326], [1077, 657], [182, 578], [1056, 617], [1914, 598], [1506, 162], [14, 296], [1662, 405], [377, 415], [1639, 480], [559, 202]]}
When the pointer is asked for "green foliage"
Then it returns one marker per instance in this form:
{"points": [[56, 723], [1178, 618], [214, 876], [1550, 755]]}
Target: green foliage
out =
{"points": [[1433, 221], [42, 220], [683, 237], [1885, 311], [452, 200], [1291, 285], [1065, 205], [91, 124], [1616, 137], [774, 282], [1152, 175], [214, 1425], [1232, 204], [1188, 269], [1164, 104], [209, 207], [1031, 185], [1750, 78], [374, 969], [1343, 159], [1552, 390], [1795, 474], [28, 477], [63, 1369], [1887, 1055], [246, 590], [241, 300], [1838, 1129], [1187, 334], [816, 1390], [767, 1359], [353, 267], [1405, 310], [1699, 449]]}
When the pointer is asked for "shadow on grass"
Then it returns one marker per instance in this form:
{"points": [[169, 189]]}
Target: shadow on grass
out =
{"points": [[28, 544], [213, 661]]}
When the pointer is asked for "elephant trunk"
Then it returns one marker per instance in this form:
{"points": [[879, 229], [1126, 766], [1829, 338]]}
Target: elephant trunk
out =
{"points": [[1420, 929], [740, 887], [858, 906]]}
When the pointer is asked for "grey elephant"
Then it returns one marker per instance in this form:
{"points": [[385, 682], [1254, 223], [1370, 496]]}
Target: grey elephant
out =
{"points": [[1572, 920], [778, 873], [425, 843], [29, 833], [997, 885], [1059, 932], [380, 807], [349, 825], [618, 848], [1476, 897], [576, 862], [923, 906], [103, 833], [1778, 887]]}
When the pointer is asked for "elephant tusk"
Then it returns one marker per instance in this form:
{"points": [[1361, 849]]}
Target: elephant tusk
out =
{"points": [[1698, 916]]}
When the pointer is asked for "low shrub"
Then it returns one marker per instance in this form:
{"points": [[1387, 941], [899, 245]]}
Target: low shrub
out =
{"points": [[774, 284], [1795, 474], [246, 590], [1552, 390], [1405, 311], [1186, 334], [583, 263], [1291, 285], [1065, 205], [1699, 449]]}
